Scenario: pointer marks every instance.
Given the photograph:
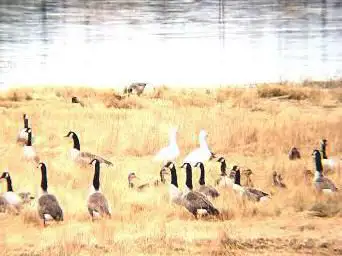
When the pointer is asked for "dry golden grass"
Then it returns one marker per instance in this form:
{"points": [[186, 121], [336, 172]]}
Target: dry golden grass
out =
{"points": [[250, 127]]}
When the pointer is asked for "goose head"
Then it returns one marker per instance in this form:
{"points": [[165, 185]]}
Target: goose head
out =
{"points": [[221, 160], [199, 164], [4, 175], [70, 134]]}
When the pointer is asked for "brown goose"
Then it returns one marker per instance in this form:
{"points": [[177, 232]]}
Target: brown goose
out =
{"points": [[132, 176], [205, 189], [277, 180], [48, 206], [83, 157], [97, 202], [195, 202]]}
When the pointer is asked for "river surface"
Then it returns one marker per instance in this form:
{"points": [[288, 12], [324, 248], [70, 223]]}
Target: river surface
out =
{"points": [[173, 42]]}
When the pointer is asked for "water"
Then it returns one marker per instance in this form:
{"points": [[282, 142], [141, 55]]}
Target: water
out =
{"points": [[193, 42]]}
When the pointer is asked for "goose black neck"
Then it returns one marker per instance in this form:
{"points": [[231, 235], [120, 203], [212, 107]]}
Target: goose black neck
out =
{"points": [[318, 162], [29, 139], [237, 178], [9, 184], [76, 142], [202, 177], [188, 181], [323, 150], [25, 122], [44, 184], [96, 180], [174, 177], [223, 168]]}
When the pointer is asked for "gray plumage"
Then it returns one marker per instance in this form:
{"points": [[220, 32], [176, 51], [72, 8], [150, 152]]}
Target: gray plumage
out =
{"points": [[97, 202], [195, 202], [205, 189], [48, 206], [137, 88], [83, 157], [320, 182]]}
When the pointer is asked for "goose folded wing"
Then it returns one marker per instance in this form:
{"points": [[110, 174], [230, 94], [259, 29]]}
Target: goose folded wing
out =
{"points": [[49, 205], [86, 156], [97, 202]]}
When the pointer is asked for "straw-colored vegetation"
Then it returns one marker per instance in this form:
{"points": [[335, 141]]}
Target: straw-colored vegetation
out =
{"points": [[253, 127]]}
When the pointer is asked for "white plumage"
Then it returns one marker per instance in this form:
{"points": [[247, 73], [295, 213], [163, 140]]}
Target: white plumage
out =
{"points": [[171, 152], [12, 198], [201, 154]]}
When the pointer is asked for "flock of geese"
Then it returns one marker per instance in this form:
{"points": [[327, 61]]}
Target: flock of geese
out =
{"points": [[197, 201]]}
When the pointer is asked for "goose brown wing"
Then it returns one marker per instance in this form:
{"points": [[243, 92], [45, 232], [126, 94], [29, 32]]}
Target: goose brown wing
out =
{"points": [[98, 202], [196, 200], [86, 156], [209, 191], [48, 204], [327, 184]]}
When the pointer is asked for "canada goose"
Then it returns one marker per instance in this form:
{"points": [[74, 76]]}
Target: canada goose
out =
{"points": [[29, 151], [171, 152], [195, 202], [294, 153], [201, 154], [224, 180], [10, 198], [83, 157], [97, 202], [48, 206], [174, 192], [251, 193], [205, 189], [22, 135], [277, 180], [137, 88], [329, 163], [321, 183]]}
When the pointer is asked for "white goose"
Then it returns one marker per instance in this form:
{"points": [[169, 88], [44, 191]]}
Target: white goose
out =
{"points": [[171, 152], [201, 154]]}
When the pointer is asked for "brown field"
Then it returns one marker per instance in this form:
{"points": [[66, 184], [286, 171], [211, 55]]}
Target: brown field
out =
{"points": [[251, 127]]}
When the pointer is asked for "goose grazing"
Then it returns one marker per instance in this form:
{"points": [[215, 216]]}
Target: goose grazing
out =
{"points": [[224, 180], [251, 193], [171, 152], [205, 189], [131, 177], [196, 202], [97, 202], [277, 180], [22, 135], [10, 199], [29, 151], [48, 206], [329, 163], [83, 157], [322, 184], [294, 153], [201, 154]]}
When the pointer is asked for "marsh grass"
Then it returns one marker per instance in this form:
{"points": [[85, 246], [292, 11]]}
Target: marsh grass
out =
{"points": [[253, 127]]}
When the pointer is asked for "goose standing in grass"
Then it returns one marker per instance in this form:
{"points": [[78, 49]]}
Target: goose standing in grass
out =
{"points": [[224, 180], [97, 202], [29, 151], [174, 192], [48, 206], [23, 135], [251, 193], [83, 157], [205, 189], [329, 163], [201, 154], [10, 199], [321, 183], [196, 202], [248, 181], [171, 152]]}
